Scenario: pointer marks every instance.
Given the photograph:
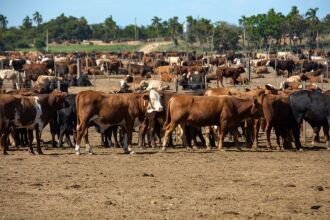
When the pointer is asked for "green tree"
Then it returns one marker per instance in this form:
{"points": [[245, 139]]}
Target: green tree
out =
{"points": [[313, 23], [226, 36], [3, 21], [242, 21], [174, 28], [40, 44], [37, 18], [110, 28], [27, 23], [156, 24], [296, 25]]}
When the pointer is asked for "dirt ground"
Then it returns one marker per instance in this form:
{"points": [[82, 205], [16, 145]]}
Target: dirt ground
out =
{"points": [[173, 185]]}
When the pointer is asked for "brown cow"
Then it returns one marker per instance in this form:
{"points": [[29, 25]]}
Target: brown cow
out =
{"points": [[199, 111], [228, 72], [32, 112], [111, 109], [277, 114]]}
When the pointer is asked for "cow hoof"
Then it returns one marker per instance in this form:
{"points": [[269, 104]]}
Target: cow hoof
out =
{"points": [[31, 152], [40, 153], [208, 148], [164, 149], [301, 150], [5, 154], [78, 153], [132, 152]]}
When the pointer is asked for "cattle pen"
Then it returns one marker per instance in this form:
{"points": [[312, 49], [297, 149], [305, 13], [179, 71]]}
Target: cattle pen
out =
{"points": [[238, 183]]}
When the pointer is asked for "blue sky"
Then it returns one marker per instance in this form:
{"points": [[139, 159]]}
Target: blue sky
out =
{"points": [[124, 12]]}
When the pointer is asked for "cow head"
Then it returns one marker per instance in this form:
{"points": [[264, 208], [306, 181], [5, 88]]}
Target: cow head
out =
{"points": [[56, 100], [153, 99], [257, 110]]}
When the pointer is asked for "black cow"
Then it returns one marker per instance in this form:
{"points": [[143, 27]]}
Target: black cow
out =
{"points": [[67, 120], [314, 107], [309, 66], [83, 80], [288, 65], [17, 64], [192, 82]]}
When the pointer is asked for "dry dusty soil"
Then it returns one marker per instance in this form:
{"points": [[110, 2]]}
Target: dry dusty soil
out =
{"points": [[174, 185]]}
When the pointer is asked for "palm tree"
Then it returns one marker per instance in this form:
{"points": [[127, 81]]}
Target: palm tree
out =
{"points": [[3, 22], [27, 22], [313, 22], [242, 21], [37, 18], [156, 22]]}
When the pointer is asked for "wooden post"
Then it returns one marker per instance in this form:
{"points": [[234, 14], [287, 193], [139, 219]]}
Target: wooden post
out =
{"points": [[1, 64], [78, 68], [275, 70], [87, 61], [175, 84], [94, 80], [327, 69], [54, 66], [249, 69], [205, 80], [304, 123]]}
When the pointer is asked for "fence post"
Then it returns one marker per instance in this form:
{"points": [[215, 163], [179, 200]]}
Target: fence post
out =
{"points": [[1, 64], [327, 69], [275, 71], [249, 69], [304, 86], [175, 84], [205, 80], [18, 81], [78, 68]]}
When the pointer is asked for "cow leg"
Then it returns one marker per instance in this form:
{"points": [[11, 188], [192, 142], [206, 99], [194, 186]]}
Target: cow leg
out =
{"points": [[222, 133], [200, 135], [186, 136], [88, 147], [115, 136], [208, 137], [268, 130], [296, 134], [168, 131], [38, 135], [81, 129], [279, 136], [326, 130], [30, 135], [255, 133], [63, 130], [68, 139], [142, 133], [316, 135], [3, 143]]}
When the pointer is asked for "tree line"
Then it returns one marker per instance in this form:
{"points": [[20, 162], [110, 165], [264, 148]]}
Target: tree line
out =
{"points": [[264, 30]]}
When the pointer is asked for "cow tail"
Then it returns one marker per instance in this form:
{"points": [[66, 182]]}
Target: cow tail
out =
{"points": [[77, 111], [168, 114]]}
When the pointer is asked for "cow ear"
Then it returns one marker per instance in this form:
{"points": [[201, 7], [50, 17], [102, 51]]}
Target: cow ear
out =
{"points": [[145, 97]]}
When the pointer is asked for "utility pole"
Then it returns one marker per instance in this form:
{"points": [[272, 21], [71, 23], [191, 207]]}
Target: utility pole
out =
{"points": [[212, 46], [135, 29], [47, 40]]}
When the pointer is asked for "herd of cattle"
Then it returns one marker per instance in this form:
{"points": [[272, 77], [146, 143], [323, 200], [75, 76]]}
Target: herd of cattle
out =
{"points": [[36, 102]]}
